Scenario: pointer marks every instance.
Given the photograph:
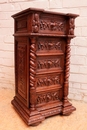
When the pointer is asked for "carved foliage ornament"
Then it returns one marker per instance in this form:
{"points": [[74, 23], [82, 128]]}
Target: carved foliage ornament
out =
{"points": [[45, 64], [47, 81], [50, 96], [52, 25], [49, 45]]}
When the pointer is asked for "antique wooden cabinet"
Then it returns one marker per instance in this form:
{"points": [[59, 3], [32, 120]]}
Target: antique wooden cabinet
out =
{"points": [[42, 58]]}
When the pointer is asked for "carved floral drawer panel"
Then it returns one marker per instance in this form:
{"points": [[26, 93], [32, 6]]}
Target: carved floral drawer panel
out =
{"points": [[50, 23], [47, 63], [49, 79], [47, 98], [42, 57], [50, 45]]}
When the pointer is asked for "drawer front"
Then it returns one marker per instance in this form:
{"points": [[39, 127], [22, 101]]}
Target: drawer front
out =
{"points": [[49, 80], [47, 97], [52, 24], [50, 63], [49, 24], [50, 45]]}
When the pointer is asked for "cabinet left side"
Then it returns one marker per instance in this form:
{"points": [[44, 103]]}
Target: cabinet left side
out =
{"points": [[22, 69], [21, 57]]}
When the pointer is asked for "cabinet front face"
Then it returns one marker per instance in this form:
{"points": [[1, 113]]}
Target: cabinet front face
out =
{"points": [[21, 52], [50, 54]]}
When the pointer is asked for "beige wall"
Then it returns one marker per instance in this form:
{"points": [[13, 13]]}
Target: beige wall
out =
{"points": [[78, 67]]}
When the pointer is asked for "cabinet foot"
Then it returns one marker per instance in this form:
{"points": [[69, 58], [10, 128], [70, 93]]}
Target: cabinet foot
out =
{"points": [[30, 117], [35, 124], [67, 108]]}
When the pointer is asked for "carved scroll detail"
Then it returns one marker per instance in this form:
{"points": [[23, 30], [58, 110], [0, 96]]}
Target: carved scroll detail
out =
{"points": [[32, 72], [44, 64], [35, 24], [71, 26], [50, 96], [47, 81], [67, 63]]}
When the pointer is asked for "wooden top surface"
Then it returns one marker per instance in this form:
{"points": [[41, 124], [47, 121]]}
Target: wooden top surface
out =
{"points": [[30, 10]]}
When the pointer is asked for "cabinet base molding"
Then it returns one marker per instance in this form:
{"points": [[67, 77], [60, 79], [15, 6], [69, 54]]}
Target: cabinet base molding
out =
{"points": [[37, 116], [68, 108], [30, 117]]}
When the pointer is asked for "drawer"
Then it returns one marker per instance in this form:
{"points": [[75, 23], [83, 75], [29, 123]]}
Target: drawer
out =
{"points": [[50, 45], [52, 24], [49, 81], [49, 24], [47, 97], [50, 63]]}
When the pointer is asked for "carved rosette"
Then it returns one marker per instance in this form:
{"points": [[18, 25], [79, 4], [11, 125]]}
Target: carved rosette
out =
{"points": [[32, 72], [71, 26], [35, 23], [67, 63]]}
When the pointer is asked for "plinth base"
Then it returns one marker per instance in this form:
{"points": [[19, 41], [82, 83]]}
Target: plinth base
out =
{"points": [[37, 116], [68, 108], [30, 117]]}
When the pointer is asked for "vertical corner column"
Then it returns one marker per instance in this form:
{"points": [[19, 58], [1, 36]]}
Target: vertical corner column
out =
{"points": [[32, 73], [67, 106], [35, 116], [67, 70]]}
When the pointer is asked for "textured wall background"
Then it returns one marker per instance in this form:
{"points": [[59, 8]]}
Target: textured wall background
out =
{"points": [[78, 67]]}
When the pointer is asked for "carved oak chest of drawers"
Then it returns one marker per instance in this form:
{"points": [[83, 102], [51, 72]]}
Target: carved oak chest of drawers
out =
{"points": [[42, 58]]}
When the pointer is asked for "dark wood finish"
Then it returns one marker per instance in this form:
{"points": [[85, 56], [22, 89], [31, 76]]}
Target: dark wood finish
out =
{"points": [[42, 55]]}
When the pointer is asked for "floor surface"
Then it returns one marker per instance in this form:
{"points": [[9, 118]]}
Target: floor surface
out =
{"points": [[10, 120]]}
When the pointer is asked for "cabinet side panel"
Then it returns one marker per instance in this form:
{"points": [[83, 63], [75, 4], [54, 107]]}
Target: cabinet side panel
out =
{"points": [[21, 69], [21, 25]]}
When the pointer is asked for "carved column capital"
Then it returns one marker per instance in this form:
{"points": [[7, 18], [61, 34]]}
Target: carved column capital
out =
{"points": [[35, 23], [71, 26]]}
